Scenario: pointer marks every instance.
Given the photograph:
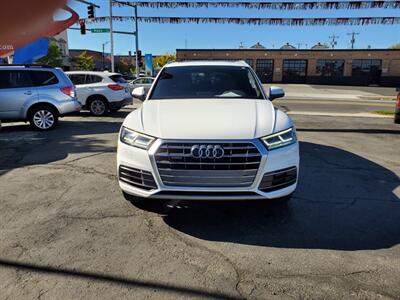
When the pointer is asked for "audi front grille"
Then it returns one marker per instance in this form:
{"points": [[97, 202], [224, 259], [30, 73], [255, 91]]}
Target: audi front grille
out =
{"points": [[180, 164], [137, 178]]}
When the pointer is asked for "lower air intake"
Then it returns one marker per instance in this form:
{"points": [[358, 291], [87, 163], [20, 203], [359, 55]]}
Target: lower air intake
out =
{"points": [[138, 178]]}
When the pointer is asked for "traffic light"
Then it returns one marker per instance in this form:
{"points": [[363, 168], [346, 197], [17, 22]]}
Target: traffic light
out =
{"points": [[139, 58], [83, 26], [90, 11]]}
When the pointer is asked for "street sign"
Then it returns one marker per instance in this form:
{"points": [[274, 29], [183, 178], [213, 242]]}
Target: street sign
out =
{"points": [[99, 30]]}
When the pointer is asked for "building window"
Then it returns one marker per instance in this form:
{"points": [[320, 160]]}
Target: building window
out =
{"points": [[265, 69], [294, 67], [330, 67], [249, 61], [363, 67]]}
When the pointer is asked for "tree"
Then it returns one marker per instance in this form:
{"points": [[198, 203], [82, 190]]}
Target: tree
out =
{"points": [[124, 65], [161, 60], [84, 62], [53, 57], [395, 46], [132, 69]]}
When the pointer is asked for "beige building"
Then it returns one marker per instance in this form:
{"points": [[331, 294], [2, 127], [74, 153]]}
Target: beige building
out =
{"points": [[322, 66]]}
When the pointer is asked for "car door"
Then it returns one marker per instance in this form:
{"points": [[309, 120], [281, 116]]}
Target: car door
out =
{"points": [[16, 91], [138, 83], [94, 84], [82, 90]]}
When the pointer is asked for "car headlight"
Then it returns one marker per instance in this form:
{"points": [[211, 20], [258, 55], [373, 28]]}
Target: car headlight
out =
{"points": [[135, 139], [280, 139]]}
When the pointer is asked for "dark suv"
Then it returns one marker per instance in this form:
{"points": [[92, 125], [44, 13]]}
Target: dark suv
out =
{"points": [[38, 94]]}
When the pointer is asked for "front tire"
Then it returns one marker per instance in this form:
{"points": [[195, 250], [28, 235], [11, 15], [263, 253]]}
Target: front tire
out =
{"points": [[98, 107], [43, 118]]}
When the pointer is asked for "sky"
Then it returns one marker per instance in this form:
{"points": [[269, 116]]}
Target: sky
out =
{"points": [[166, 38]]}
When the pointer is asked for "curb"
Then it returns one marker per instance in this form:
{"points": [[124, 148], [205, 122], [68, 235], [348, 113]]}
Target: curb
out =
{"points": [[352, 115]]}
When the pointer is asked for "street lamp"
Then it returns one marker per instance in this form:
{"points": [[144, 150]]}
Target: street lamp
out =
{"points": [[103, 54]]}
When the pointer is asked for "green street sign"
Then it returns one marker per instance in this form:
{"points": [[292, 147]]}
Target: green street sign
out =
{"points": [[99, 30]]}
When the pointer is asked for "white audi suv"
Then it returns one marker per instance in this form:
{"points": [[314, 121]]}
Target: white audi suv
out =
{"points": [[207, 130]]}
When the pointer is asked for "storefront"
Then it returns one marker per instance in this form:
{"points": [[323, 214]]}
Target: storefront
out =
{"points": [[323, 66]]}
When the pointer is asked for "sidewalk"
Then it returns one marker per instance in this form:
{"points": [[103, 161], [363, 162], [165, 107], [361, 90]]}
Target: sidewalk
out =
{"points": [[321, 92]]}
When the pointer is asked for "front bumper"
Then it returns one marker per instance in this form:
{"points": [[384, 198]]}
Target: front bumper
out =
{"points": [[120, 104], [286, 158]]}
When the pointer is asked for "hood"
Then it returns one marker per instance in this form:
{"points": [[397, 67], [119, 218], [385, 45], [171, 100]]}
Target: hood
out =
{"points": [[204, 118]]}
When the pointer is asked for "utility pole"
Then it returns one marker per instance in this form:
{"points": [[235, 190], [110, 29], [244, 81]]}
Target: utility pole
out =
{"points": [[104, 63], [137, 42], [111, 37], [353, 38], [299, 45], [136, 30], [333, 41]]}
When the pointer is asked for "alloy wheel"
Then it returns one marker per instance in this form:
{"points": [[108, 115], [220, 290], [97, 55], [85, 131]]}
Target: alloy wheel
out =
{"points": [[43, 119], [97, 107]]}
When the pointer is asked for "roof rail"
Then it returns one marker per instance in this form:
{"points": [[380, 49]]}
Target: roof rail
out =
{"points": [[28, 66]]}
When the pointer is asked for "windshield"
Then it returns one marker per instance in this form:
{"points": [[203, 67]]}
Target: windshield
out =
{"points": [[206, 82]]}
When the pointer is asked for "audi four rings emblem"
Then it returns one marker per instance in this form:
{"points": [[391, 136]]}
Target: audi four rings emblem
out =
{"points": [[207, 151]]}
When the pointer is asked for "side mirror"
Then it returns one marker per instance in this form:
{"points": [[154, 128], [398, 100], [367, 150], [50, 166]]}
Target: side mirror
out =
{"points": [[139, 93], [276, 92]]}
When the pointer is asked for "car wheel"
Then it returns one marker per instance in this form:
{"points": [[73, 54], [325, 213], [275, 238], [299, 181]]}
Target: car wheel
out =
{"points": [[43, 118], [98, 107]]}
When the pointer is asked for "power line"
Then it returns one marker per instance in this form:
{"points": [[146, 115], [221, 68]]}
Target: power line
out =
{"points": [[88, 3]]}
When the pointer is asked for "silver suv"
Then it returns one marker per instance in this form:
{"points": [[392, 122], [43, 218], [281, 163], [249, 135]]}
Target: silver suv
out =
{"points": [[38, 94]]}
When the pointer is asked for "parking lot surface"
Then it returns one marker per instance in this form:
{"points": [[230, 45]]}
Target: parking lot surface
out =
{"points": [[67, 232]]}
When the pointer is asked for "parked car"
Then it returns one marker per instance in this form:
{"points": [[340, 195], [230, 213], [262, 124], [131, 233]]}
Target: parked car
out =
{"points": [[145, 82], [100, 92], [128, 77], [207, 130], [397, 111], [38, 94]]}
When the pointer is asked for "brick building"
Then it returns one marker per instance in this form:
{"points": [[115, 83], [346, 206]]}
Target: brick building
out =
{"points": [[322, 66]]}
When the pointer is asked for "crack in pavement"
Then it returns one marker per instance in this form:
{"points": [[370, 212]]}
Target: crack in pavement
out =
{"points": [[96, 217], [84, 170], [193, 244]]}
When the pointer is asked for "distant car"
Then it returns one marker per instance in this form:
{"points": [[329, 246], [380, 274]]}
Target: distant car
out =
{"points": [[397, 111], [100, 92], [128, 77], [145, 82], [38, 94]]}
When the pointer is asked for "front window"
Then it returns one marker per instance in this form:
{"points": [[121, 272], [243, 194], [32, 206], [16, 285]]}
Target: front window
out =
{"points": [[366, 66], [206, 82]]}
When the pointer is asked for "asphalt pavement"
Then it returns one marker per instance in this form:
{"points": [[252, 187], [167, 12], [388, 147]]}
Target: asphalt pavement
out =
{"points": [[67, 232]]}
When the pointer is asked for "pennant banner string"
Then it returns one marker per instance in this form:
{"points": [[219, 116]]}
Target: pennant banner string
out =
{"points": [[292, 5], [256, 21]]}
